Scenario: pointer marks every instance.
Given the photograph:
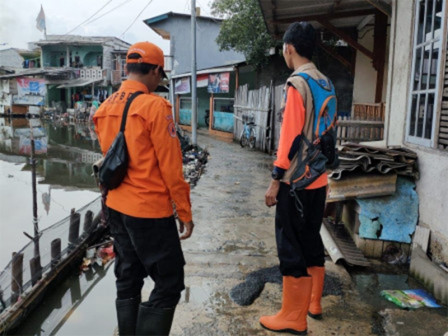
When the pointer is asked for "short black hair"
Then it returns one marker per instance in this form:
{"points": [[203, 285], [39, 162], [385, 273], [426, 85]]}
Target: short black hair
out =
{"points": [[139, 68], [302, 36]]}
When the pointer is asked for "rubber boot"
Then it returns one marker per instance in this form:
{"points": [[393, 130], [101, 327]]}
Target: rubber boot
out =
{"points": [[318, 275], [127, 312], [296, 299], [154, 321]]}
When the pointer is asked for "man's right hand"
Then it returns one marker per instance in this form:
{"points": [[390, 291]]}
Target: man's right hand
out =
{"points": [[187, 227]]}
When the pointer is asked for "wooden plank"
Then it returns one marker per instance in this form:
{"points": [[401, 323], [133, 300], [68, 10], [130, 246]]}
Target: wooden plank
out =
{"points": [[363, 123], [346, 37], [382, 6], [421, 237]]}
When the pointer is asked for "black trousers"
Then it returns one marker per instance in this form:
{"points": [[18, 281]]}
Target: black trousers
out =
{"points": [[299, 244], [147, 246]]}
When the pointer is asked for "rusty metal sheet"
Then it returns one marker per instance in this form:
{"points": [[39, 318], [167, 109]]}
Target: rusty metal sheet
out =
{"points": [[361, 186]]}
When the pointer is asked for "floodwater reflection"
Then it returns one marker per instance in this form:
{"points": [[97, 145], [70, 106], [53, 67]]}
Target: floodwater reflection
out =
{"points": [[52, 315], [64, 156]]}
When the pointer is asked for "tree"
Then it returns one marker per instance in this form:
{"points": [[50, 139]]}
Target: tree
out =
{"points": [[243, 29]]}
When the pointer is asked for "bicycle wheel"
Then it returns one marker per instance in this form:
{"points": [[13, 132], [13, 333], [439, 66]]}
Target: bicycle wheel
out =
{"points": [[252, 139], [243, 140]]}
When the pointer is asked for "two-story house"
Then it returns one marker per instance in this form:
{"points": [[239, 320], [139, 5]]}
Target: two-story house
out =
{"points": [[217, 75], [91, 67]]}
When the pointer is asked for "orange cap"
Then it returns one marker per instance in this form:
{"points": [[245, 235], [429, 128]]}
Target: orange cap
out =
{"points": [[149, 53]]}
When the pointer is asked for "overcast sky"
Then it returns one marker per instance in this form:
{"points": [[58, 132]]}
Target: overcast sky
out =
{"points": [[18, 19]]}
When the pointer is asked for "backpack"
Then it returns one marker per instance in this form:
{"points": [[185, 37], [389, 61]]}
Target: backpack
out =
{"points": [[112, 169], [320, 151]]}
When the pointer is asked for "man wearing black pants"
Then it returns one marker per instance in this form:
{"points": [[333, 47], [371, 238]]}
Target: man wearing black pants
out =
{"points": [[141, 208], [298, 219]]}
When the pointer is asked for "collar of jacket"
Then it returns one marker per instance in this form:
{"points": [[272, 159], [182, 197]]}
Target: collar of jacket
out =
{"points": [[132, 85], [305, 67]]}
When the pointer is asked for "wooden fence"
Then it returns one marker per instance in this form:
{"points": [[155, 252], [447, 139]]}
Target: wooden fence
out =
{"points": [[366, 124], [255, 104]]}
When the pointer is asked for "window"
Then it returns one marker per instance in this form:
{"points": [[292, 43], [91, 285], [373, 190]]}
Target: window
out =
{"points": [[426, 72], [123, 67], [223, 114], [185, 111]]}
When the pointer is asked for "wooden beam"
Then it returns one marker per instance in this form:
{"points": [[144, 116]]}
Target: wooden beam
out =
{"points": [[382, 6], [379, 52], [335, 55], [335, 15], [347, 38]]}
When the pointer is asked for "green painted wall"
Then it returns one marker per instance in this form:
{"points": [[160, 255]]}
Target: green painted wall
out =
{"points": [[88, 55]]}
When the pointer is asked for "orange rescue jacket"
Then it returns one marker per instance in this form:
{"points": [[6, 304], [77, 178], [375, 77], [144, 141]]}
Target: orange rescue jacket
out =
{"points": [[155, 175]]}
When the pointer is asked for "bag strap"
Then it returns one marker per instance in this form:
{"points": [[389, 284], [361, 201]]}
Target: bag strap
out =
{"points": [[126, 108]]}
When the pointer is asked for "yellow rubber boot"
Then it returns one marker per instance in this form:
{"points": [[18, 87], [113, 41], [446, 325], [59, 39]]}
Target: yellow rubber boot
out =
{"points": [[318, 275], [296, 299]]}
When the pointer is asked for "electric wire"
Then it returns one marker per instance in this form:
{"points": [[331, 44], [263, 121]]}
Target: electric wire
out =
{"points": [[89, 17], [149, 2], [99, 17]]}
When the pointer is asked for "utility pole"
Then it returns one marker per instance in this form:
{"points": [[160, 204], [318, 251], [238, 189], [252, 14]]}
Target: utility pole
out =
{"points": [[194, 105]]}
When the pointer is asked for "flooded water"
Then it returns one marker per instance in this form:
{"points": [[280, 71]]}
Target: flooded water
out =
{"points": [[65, 153]]}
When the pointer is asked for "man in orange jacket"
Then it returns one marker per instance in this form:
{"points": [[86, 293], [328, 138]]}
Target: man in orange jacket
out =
{"points": [[299, 245], [141, 217]]}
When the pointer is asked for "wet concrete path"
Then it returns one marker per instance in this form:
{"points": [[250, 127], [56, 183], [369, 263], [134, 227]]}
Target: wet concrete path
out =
{"points": [[233, 238]]}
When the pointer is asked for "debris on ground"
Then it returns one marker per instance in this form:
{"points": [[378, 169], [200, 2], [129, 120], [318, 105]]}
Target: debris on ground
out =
{"points": [[194, 159], [100, 254], [410, 298]]}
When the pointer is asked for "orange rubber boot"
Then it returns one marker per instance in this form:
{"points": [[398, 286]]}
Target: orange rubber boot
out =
{"points": [[318, 275], [296, 299]]}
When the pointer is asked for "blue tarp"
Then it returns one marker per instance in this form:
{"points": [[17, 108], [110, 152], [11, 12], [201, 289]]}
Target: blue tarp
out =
{"points": [[391, 217]]}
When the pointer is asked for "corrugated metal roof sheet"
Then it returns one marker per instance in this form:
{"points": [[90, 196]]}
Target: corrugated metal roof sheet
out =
{"points": [[355, 158]]}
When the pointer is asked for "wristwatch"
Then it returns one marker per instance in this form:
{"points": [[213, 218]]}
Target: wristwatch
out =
{"points": [[275, 175]]}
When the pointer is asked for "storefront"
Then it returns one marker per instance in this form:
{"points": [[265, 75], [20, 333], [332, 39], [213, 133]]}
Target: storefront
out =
{"points": [[215, 98]]}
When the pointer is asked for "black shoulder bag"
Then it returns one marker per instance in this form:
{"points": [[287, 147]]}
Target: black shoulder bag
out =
{"points": [[113, 168]]}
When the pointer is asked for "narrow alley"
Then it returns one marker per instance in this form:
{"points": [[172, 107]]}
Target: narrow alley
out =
{"points": [[234, 237]]}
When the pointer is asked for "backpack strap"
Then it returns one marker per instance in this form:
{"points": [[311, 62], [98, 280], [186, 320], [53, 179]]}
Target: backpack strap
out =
{"points": [[126, 108], [321, 112]]}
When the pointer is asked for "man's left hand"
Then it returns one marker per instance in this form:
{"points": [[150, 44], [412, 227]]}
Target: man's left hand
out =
{"points": [[187, 227]]}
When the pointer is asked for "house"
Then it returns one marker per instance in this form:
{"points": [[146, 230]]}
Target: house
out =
{"points": [[401, 66], [69, 68], [92, 66], [217, 77], [20, 58]]}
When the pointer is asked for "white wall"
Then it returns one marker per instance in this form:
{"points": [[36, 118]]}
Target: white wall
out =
{"points": [[364, 86], [11, 58], [365, 75], [432, 187]]}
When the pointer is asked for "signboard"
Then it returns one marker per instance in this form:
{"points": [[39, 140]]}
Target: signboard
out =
{"points": [[202, 80], [31, 86], [182, 85], [218, 82], [30, 91]]}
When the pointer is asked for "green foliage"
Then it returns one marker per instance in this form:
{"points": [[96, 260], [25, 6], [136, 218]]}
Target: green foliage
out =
{"points": [[243, 29]]}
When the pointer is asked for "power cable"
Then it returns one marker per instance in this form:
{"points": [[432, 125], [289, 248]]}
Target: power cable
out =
{"points": [[89, 17], [149, 2], [99, 17]]}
